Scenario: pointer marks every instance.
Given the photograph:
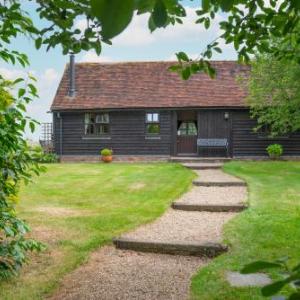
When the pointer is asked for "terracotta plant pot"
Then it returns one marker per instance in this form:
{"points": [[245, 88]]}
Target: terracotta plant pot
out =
{"points": [[107, 158]]}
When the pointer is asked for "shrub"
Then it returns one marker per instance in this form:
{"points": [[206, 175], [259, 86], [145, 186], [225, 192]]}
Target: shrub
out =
{"points": [[275, 150], [106, 152], [41, 156], [17, 165]]}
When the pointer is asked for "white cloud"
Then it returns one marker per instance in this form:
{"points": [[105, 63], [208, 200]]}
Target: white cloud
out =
{"points": [[138, 34], [11, 74], [91, 56], [81, 24]]}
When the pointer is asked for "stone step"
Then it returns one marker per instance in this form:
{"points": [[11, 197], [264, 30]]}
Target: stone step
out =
{"points": [[203, 166], [216, 178], [179, 232], [168, 247], [208, 207], [198, 182], [198, 159]]}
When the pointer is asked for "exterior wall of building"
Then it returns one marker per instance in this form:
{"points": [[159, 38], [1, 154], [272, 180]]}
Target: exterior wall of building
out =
{"points": [[128, 135], [245, 142]]}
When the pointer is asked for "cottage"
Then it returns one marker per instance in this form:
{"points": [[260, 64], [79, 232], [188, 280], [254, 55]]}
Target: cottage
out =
{"points": [[141, 110]]}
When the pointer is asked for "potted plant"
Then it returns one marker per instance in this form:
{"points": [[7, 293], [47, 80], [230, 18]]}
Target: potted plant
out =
{"points": [[106, 155], [274, 151]]}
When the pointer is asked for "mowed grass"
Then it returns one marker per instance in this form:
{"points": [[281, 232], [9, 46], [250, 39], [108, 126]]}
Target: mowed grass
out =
{"points": [[76, 208], [268, 230]]}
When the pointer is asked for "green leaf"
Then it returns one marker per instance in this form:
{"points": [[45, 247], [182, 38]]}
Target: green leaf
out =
{"points": [[186, 73], [151, 24], [205, 5], [38, 43], [21, 92], [18, 80], [273, 288], [160, 14], [32, 126], [217, 49], [259, 266], [181, 56], [226, 5], [114, 15], [175, 68]]}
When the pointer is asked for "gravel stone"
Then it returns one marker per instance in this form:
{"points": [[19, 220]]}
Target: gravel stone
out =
{"points": [[215, 176], [183, 226], [215, 195], [113, 274]]}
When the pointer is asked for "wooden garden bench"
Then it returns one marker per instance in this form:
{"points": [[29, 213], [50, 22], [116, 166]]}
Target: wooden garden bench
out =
{"points": [[214, 143]]}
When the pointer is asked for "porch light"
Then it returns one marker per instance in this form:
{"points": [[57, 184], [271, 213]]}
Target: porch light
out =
{"points": [[226, 115]]}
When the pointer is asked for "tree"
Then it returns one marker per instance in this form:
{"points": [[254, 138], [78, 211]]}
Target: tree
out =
{"points": [[274, 94], [249, 27]]}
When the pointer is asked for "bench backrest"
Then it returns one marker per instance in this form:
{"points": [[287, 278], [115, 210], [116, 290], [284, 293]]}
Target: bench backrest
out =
{"points": [[212, 142]]}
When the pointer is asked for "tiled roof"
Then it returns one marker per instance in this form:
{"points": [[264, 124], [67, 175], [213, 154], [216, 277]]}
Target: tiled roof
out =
{"points": [[149, 85]]}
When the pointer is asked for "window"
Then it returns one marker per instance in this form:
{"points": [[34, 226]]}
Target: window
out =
{"points": [[96, 124], [187, 128], [152, 123]]}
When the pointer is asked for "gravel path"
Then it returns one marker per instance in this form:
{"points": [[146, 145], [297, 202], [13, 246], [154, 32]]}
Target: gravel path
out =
{"points": [[215, 176], [215, 195], [183, 226], [114, 274]]}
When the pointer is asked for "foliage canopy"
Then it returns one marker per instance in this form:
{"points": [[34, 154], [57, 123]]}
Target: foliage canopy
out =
{"points": [[274, 94]]}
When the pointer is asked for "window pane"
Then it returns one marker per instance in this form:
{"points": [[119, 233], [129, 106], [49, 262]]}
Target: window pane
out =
{"points": [[102, 118], [149, 117], [87, 118], [103, 129], [155, 117], [89, 129], [152, 117], [182, 129], [153, 128], [192, 129]]}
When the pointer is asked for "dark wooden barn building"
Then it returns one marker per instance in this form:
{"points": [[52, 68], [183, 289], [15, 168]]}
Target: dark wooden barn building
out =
{"points": [[140, 109]]}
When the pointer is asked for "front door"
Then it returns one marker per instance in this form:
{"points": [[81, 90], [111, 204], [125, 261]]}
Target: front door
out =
{"points": [[187, 133]]}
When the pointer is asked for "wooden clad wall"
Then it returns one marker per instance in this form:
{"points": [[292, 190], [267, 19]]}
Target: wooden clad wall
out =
{"points": [[127, 135], [245, 142], [211, 125]]}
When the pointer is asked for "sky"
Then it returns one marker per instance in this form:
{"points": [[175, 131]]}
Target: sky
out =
{"points": [[136, 43]]}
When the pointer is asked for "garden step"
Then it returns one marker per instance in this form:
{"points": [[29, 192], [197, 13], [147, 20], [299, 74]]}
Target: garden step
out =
{"points": [[218, 183], [168, 247], [208, 207], [203, 166], [197, 159], [179, 232], [216, 178]]}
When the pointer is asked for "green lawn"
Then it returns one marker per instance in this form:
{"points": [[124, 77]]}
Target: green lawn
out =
{"points": [[75, 208], [269, 229]]}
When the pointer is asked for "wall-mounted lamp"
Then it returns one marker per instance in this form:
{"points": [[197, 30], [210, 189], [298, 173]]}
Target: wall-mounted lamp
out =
{"points": [[58, 115], [226, 115]]}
